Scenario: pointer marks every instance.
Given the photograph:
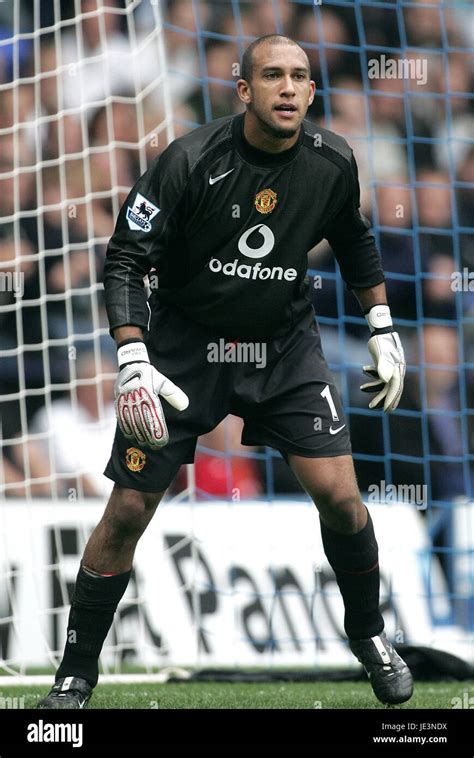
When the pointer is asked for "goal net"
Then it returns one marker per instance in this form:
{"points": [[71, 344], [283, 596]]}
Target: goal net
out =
{"points": [[231, 571]]}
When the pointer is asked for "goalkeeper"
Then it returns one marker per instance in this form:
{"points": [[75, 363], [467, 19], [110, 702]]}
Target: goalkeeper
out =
{"points": [[222, 223]]}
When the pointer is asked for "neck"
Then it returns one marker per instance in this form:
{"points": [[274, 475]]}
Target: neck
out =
{"points": [[256, 136]]}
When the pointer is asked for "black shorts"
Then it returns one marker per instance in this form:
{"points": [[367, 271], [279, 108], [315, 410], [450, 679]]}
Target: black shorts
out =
{"points": [[286, 397]]}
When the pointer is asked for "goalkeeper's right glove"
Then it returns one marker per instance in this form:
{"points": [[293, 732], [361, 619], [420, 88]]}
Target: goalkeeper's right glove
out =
{"points": [[137, 388]]}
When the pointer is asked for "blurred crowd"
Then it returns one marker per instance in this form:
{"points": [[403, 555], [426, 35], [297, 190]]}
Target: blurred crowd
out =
{"points": [[83, 110]]}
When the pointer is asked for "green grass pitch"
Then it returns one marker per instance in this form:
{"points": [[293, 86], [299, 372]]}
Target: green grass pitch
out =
{"points": [[294, 695]]}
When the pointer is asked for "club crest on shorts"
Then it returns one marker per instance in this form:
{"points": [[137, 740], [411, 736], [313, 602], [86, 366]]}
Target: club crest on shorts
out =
{"points": [[141, 213], [135, 459], [266, 201]]}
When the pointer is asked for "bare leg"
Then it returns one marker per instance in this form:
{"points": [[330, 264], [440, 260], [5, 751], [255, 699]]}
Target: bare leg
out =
{"points": [[112, 544], [332, 485]]}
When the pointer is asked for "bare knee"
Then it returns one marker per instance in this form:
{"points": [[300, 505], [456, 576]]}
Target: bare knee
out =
{"points": [[339, 502], [346, 515], [332, 485], [129, 512]]}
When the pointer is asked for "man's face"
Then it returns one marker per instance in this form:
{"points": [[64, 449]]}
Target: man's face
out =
{"points": [[280, 90]]}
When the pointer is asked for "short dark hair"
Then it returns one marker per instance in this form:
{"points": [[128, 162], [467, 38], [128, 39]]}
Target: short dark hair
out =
{"points": [[247, 66]]}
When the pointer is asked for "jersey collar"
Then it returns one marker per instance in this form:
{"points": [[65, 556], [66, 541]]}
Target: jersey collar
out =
{"points": [[261, 157]]}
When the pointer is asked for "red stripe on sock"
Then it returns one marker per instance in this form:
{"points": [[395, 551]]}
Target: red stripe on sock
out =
{"points": [[366, 571], [91, 572]]}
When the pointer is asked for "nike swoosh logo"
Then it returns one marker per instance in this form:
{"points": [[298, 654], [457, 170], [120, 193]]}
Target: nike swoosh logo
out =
{"points": [[130, 378], [335, 431], [213, 180]]}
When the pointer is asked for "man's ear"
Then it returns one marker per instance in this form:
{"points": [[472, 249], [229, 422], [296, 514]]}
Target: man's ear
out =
{"points": [[243, 91]]}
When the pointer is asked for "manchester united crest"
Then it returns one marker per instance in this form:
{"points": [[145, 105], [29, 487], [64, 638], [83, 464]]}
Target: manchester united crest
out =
{"points": [[135, 458], [266, 201]]}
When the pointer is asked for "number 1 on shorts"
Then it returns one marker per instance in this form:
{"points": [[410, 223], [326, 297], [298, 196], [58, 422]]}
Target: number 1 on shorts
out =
{"points": [[326, 393]]}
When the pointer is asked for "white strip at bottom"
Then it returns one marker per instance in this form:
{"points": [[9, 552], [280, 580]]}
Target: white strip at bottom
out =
{"points": [[48, 679]]}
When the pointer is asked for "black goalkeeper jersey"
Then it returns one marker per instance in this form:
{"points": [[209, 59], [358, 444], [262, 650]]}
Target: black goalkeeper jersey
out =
{"points": [[223, 231]]}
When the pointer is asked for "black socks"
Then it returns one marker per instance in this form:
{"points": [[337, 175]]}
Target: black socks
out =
{"points": [[93, 606], [354, 559]]}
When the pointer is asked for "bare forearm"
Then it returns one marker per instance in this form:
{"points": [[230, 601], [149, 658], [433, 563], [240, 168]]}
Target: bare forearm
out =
{"points": [[127, 332], [370, 296]]}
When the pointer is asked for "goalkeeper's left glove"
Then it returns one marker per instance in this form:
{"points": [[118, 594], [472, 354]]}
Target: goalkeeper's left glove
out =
{"points": [[388, 371]]}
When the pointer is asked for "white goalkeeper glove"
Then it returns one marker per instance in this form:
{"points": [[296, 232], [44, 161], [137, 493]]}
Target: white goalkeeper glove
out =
{"points": [[388, 371], [137, 389]]}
